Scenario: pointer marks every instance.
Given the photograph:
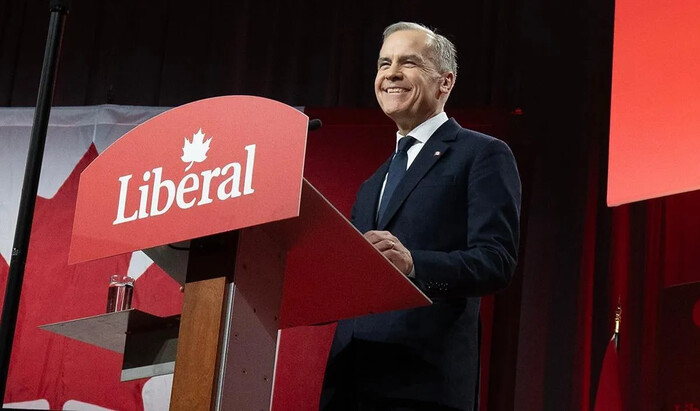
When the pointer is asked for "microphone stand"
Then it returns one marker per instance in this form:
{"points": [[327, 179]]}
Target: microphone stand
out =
{"points": [[30, 186]]}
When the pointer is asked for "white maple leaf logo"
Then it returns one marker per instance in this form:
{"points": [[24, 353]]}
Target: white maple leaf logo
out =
{"points": [[195, 151]]}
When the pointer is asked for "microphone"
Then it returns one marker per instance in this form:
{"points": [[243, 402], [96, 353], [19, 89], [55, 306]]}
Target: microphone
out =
{"points": [[315, 124]]}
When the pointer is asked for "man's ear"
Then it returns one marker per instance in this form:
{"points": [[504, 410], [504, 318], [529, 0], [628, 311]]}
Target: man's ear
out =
{"points": [[447, 82]]}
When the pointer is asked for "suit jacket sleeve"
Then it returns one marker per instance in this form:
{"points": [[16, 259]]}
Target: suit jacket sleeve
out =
{"points": [[487, 262]]}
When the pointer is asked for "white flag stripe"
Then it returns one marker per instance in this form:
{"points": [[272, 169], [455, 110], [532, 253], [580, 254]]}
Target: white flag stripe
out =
{"points": [[138, 265], [75, 405], [156, 393], [28, 405]]}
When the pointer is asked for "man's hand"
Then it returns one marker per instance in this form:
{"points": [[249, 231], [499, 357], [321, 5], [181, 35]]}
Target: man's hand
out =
{"points": [[392, 249]]}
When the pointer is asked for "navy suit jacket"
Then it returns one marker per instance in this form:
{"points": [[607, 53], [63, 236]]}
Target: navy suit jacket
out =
{"points": [[457, 210]]}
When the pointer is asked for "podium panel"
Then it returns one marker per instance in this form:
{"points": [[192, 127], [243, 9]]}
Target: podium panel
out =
{"points": [[206, 167]]}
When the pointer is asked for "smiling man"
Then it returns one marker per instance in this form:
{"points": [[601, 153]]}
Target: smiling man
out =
{"points": [[444, 209]]}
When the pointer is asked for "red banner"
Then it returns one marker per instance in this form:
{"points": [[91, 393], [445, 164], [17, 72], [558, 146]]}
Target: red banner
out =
{"points": [[655, 109]]}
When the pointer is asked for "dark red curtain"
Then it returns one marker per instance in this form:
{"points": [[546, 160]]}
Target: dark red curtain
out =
{"points": [[654, 246]]}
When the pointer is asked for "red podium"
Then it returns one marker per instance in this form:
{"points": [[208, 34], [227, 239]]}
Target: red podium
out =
{"points": [[260, 249]]}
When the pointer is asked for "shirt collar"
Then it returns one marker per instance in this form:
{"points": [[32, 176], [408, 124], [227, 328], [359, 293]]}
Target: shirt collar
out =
{"points": [[426, 129]]}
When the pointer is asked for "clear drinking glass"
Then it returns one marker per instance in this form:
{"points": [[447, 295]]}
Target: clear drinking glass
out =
{"points": [[119, 293]]}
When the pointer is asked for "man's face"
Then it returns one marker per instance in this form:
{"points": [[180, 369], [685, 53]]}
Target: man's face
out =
{"points": [[408, 85]]}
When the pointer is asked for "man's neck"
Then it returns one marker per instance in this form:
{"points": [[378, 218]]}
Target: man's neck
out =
{"points": [[405, 127], [404, 131]]}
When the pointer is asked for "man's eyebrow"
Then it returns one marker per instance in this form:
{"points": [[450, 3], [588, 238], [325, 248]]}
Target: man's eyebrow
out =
{"points": [[411, 57], [403, 58]]}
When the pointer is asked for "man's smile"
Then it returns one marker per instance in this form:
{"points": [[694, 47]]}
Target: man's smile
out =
{"points": [[395, 90]]}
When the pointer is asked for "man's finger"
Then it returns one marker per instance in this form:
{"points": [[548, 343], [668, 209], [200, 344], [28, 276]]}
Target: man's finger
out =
{"points": [[375, 236], [385, 245], [401, 260]]}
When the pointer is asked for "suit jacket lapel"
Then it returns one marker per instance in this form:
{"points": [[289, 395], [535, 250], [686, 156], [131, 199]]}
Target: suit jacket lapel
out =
{"points": [[368, 200], [436, 146]]}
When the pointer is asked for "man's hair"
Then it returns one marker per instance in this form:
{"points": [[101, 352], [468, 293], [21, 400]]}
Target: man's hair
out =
{"points": [[444, 52]]}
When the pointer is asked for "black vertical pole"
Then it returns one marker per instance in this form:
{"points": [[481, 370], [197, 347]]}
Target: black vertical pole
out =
{"points": [[30, 186]]}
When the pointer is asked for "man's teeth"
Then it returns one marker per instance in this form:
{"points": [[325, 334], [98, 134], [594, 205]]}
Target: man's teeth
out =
{"points": [[395, 90]]}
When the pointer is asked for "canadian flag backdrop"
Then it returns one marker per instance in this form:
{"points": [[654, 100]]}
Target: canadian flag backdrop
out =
{"points": [[48, 371]]}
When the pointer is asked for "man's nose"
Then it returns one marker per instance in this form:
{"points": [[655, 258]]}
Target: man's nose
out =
{"points": [[394, 73]]}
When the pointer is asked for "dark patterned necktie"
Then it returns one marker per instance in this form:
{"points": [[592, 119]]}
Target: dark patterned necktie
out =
{"points": [[397, 169]]}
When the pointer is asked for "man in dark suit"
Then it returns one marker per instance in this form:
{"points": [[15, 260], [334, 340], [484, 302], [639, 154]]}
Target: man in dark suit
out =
{"points": [[445, 211]]}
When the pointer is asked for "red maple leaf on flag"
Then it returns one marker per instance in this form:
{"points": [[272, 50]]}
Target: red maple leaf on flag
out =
{"points": [[48, 366]]}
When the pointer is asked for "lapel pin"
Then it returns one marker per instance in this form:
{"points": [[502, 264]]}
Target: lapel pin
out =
{"points": [[437, 153]]}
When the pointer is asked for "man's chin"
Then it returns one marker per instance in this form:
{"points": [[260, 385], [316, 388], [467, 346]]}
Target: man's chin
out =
{"points": [[395, 113]]}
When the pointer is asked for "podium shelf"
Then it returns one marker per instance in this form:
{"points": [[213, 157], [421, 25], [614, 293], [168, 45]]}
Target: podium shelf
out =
{"points": [[109, 330]]}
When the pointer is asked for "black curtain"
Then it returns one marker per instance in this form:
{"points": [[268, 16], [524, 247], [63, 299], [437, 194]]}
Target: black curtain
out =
{"points": [[313, 53]]}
